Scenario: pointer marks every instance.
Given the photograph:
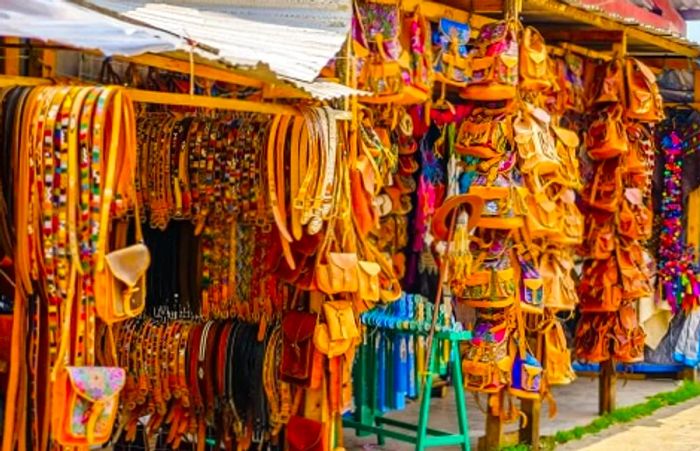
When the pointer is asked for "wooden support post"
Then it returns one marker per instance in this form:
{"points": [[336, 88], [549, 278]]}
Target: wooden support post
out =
{"points": [[494, 428], [607, 387], [530, 433], [696, 85], [11, 58], [689, 374]]}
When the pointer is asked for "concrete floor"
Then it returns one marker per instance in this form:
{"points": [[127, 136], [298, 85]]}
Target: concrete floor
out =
{"points": [[577, 405]]}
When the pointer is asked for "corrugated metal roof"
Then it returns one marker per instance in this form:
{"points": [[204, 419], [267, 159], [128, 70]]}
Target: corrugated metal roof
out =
{"points": [[296, 53], [279, 54], [61, 21], [332, 15]]}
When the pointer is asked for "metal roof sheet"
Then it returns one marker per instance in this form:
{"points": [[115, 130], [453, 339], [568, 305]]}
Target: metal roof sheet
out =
{"points": [[281, 54], [292, 52], [67, 23]]}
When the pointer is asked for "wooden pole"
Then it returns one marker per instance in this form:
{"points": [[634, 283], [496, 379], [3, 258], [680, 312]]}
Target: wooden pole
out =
{"points": [[607, 387], [494, 427]]}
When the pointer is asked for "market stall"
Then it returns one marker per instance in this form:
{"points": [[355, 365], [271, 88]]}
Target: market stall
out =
{"points": [[210, 233]]}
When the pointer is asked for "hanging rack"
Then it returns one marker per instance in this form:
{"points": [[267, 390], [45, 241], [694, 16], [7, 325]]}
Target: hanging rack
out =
{"points": [[175, 99]]}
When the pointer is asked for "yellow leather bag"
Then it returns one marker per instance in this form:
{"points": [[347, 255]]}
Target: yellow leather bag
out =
{"points": [[543, 218], [484, 136], [644, 99], [555, 268], [369, 280], [486, 288], [339, 273], [341, 321], [567, 144], [534, 73], [536, 145], [557, 356]]}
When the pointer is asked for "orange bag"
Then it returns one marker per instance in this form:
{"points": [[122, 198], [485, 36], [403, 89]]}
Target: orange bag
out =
{"points": [[555, 268], [611, 88], [634, 274], [634, 219], [605, 191], [599, 290], [484, 136], [628, 336], [644, 99], [606, 137]]}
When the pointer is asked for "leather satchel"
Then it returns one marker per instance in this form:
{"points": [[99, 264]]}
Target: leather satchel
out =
{"points": [[120, 287], [297, 350], [339, 274], [304, 434], [341, 320]]}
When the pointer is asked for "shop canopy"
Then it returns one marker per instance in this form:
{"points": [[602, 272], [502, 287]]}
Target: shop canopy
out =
{"points": [[275, 53]]}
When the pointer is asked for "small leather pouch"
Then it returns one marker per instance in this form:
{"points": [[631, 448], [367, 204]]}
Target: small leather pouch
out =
{"points": [[526, 381], [531, 286], [85, 401], [297, 350]]}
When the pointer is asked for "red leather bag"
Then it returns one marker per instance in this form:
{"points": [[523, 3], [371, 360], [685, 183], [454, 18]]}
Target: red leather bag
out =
{"points": [[297, 347], [304, 434]]}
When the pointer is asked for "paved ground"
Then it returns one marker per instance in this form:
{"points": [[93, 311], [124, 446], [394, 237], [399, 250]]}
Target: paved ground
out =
{"points": [[577, 404], [669, 429]]}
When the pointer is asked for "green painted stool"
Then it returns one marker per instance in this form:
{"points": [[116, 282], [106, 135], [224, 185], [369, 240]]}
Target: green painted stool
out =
{"points": [[367, 422]]}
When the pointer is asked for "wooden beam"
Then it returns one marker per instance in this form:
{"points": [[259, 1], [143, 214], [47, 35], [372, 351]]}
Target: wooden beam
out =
{"points": [[477, 6], [169, 98], [14, 80], [696, 85], [636, 33], [668, 63], [200, 70], [561, 48], [585, 35]]}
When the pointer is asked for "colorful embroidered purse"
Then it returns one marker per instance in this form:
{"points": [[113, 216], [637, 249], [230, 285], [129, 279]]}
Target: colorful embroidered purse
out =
{"points": [[451, 54], [85, 404], [495, 64]]}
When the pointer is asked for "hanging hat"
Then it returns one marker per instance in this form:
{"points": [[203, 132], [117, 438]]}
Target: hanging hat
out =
{"points": [[473, 204]]}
